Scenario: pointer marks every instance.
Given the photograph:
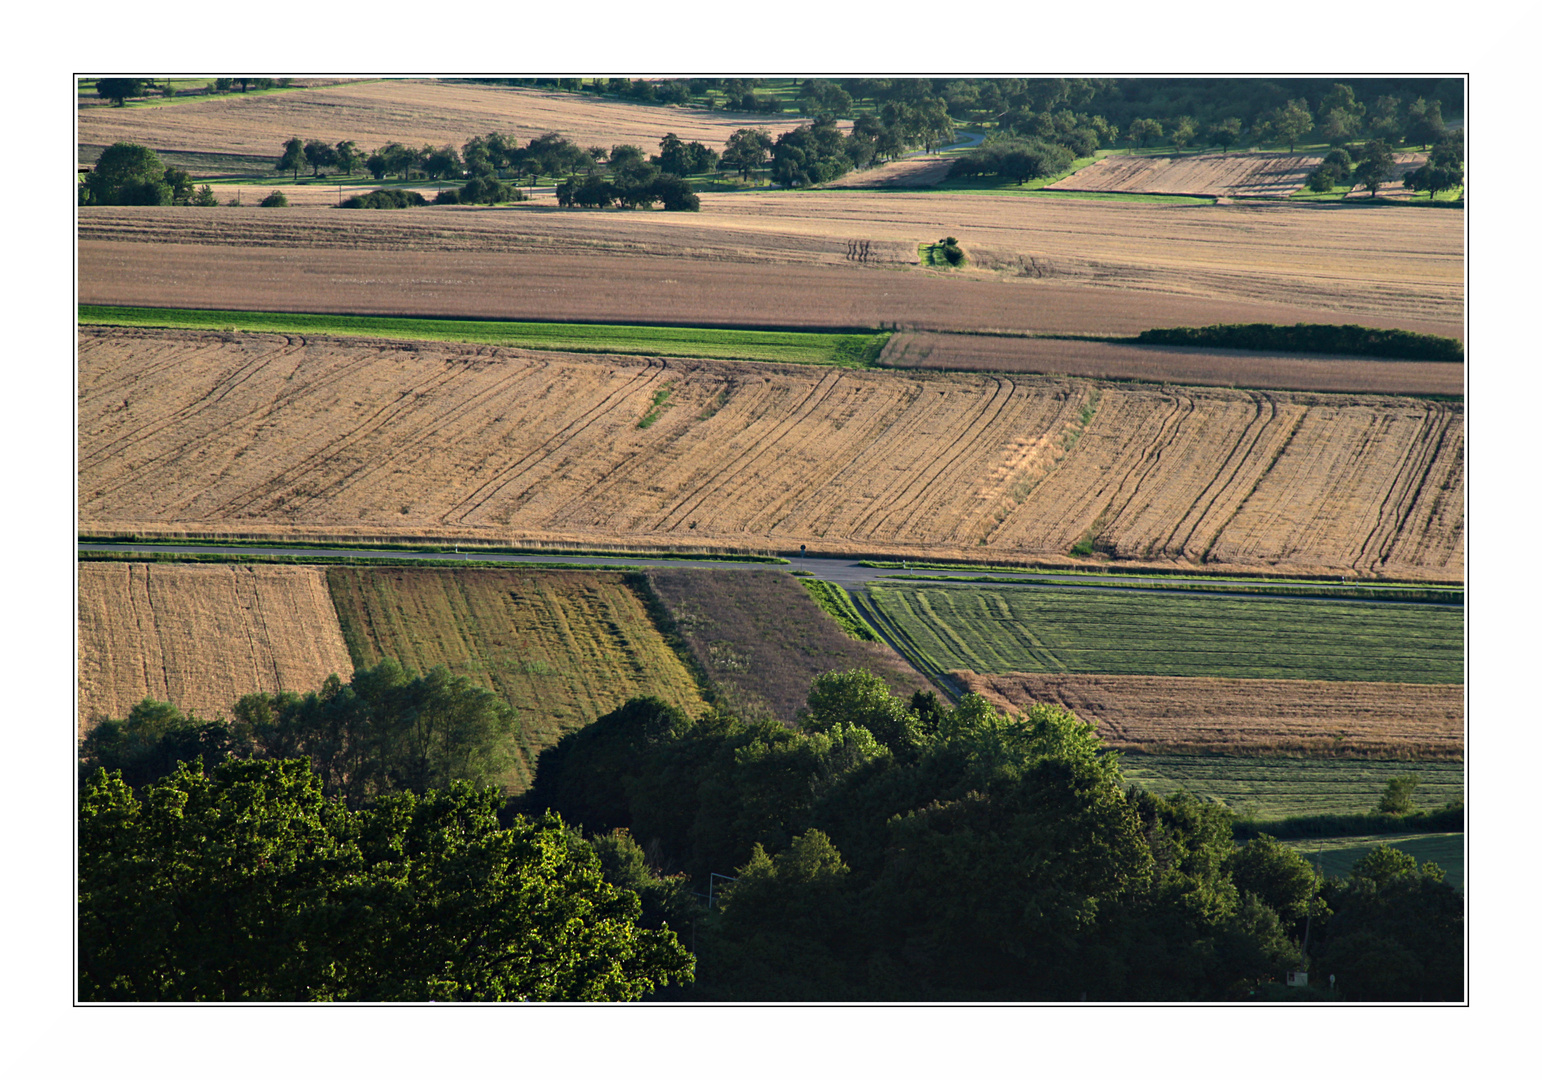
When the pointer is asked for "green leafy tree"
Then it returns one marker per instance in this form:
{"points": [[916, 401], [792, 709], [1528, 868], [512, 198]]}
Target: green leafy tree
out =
{"points": [[248, 885], [347, 156], [1182, 133], [1143, 131], [180, 185], [1386, 121], [1395, 933], [1225, 133], [1443, 170], [293, 157], [747, 149], [319, 155], [1426, 126], [277, 198], [1398, 796], [204, 196], [1376, 165], [119, 90], [1288, 124], [127, 174]]}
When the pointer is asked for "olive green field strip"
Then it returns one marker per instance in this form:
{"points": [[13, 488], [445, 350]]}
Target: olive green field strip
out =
{"points": [[1271, 788], [562, 647], [791, 347], [998, 630], [284, 437]]}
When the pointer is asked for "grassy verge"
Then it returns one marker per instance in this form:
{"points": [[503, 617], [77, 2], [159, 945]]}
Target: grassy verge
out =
{"points": [[1401, 594], [795, 347], [834, 601], [1000, 630], [1281, 795], [1113, 574]]}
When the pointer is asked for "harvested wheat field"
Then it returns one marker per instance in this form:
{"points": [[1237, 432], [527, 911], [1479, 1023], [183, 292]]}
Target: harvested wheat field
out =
{"points": [[1157, 714], [185, 432], [1040, 264], [201, 637], [415, 112], [1255, 173], [562, 647], [1166, 363], [762, 640]]}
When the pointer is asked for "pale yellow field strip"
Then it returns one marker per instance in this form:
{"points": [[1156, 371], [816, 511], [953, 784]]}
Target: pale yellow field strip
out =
{"points": [[201, 636]]}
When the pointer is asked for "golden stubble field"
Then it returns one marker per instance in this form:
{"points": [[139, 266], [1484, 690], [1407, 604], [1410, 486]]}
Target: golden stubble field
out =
{"points": [[1038, 264], [415, 112], [201, 636], [1158, 714], [272, 435], [1240, 173]]}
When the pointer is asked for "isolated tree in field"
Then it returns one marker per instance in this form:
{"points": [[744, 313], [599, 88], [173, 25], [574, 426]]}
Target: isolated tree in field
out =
{"points": [[1398, 796], [319, 154], [294, 157], [1288, 124], [747, 149], [117, 90], [1226, 132], [1443, 170], [1182, 133], [127, 174], [1144, 131], [347, 156], [1376, 164]]}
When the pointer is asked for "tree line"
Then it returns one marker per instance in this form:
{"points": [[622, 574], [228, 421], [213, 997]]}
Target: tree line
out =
{"points": [[884, 849]]}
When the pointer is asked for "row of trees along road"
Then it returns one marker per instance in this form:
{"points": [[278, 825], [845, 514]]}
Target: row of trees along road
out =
{"points": [[330, 847]]}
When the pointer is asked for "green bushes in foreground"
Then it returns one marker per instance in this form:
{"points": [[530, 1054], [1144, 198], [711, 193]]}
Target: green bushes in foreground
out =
{"points": [[1312, 338]]}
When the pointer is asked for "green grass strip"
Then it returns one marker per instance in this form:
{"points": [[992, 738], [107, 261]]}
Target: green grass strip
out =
{"points": [[1117, 632], [1402, 594], [1113, 574], [794, 347], [834, 602]]}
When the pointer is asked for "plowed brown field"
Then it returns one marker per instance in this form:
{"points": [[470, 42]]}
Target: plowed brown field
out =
{"points": [[1161, 363], [415, 112], [1155, 714], [201, 636], [1051, 265], [1277, 174], [283, 436]]}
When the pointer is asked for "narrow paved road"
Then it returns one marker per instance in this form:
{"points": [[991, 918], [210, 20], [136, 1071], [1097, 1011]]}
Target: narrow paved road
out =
{"points": [[843, 572]]}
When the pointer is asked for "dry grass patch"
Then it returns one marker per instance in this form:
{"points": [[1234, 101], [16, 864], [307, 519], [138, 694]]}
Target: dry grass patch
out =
{"points": [[415, 112], [201, 637], [761, 639], [1160, 714], [563, 648], [285, 436]]}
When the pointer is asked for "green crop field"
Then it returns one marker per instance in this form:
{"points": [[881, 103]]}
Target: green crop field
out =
{"points": [[1270, 788], [1334, 855], [838, 349], [562, 647], [996, 629]]}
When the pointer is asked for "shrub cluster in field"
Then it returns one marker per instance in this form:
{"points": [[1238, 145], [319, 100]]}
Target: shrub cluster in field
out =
{"points": [[1312, 338]]}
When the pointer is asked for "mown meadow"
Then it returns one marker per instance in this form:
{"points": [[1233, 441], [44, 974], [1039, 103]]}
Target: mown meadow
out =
{"points": [[1001, 629]]}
